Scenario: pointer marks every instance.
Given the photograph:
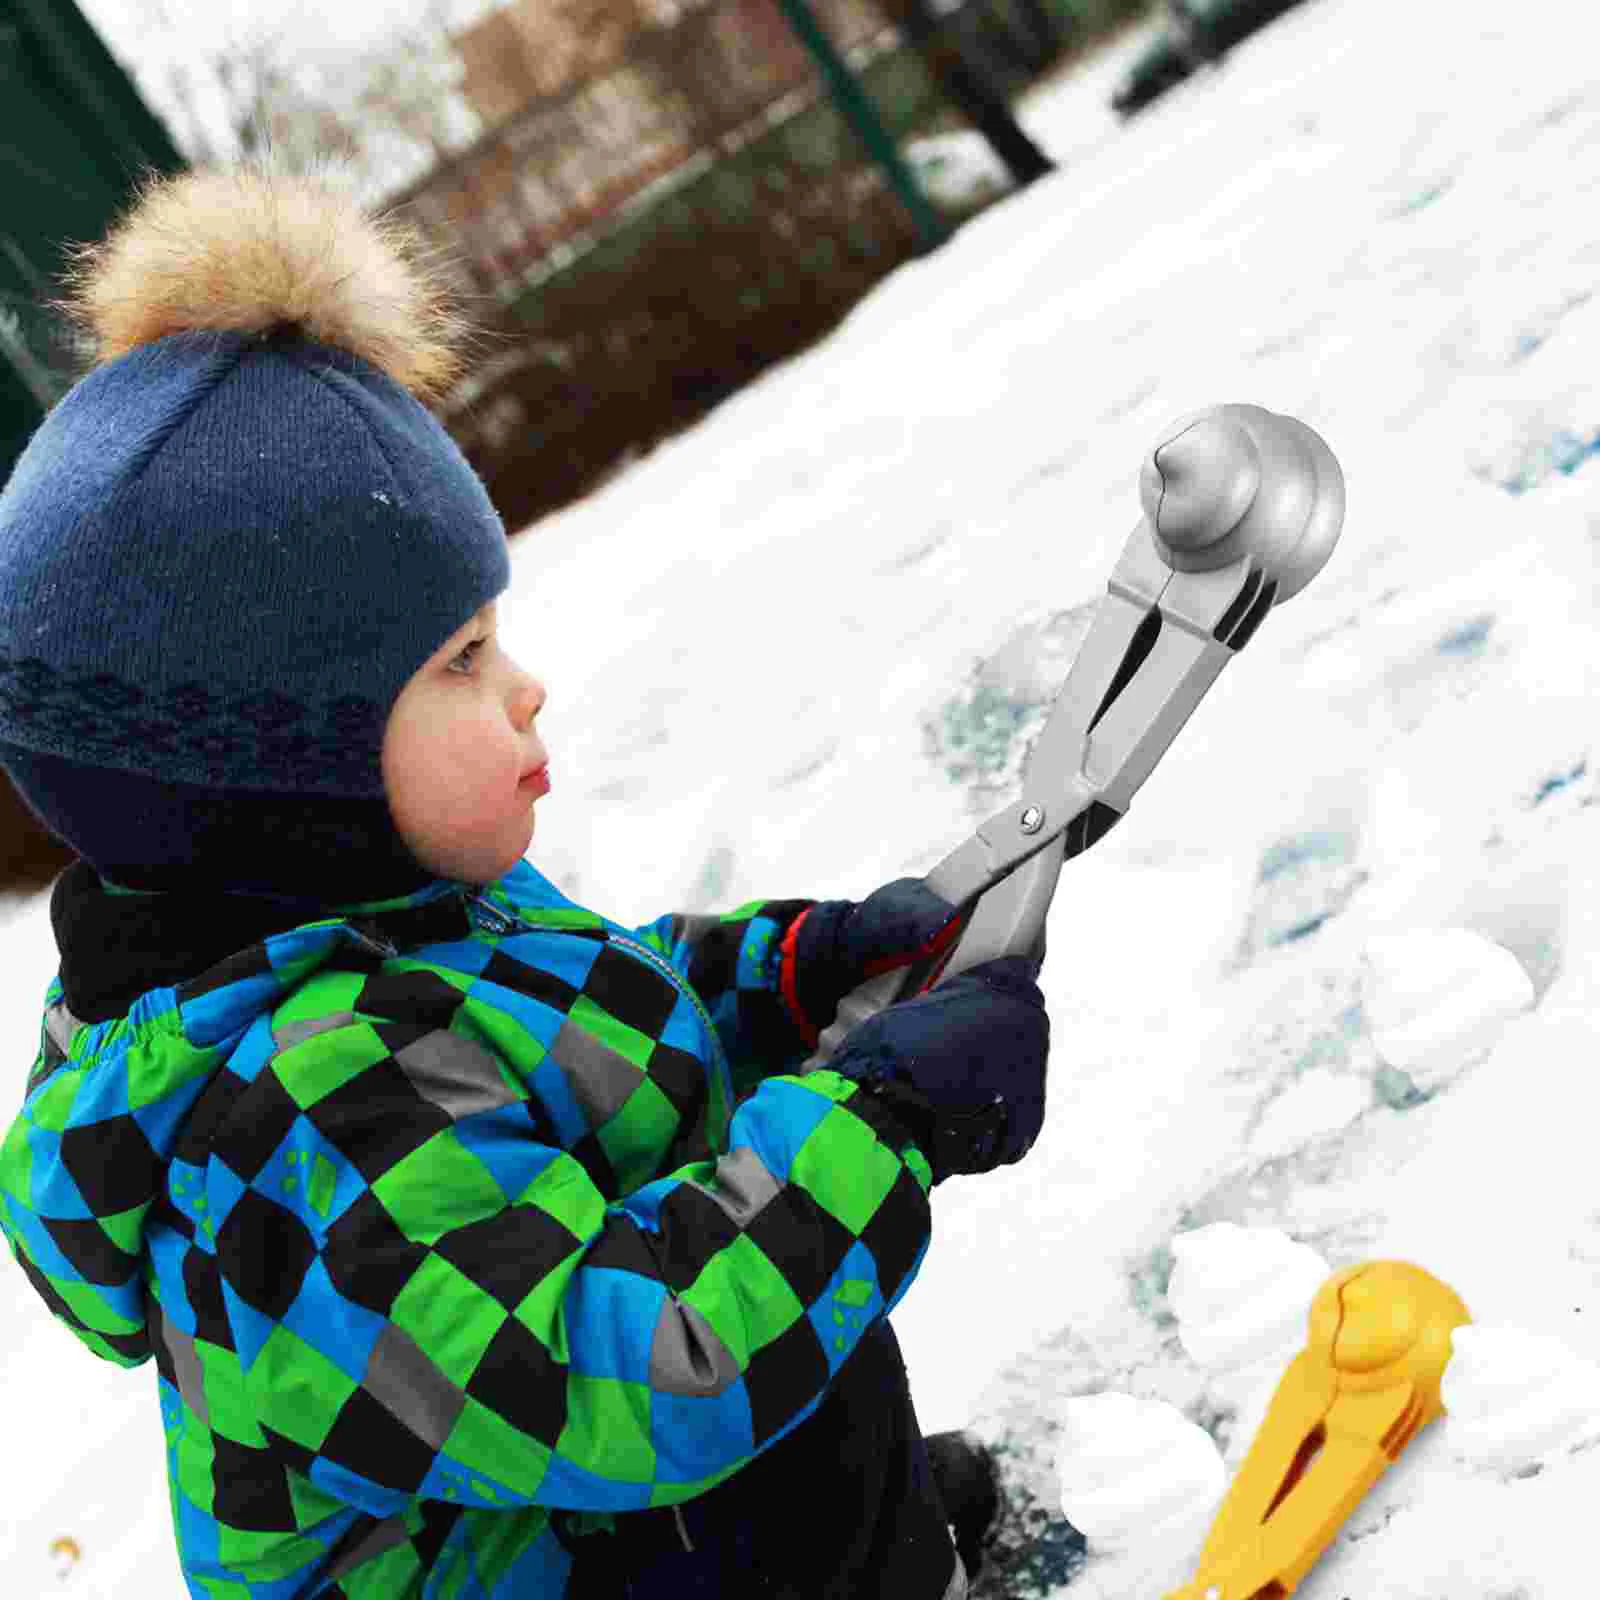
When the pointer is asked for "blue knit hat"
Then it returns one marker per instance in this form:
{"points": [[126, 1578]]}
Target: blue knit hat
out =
{"points": [[226, 550]]}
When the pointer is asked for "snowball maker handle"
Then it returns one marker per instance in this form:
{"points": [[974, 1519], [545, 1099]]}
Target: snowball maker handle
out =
{"points": [[1242, 508]]}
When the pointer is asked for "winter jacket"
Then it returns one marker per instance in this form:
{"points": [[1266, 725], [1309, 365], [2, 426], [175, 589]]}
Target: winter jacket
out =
{"points": [[456, 1228]]}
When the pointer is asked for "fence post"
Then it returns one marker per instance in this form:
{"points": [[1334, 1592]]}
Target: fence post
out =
{"points": [[863, 117]]}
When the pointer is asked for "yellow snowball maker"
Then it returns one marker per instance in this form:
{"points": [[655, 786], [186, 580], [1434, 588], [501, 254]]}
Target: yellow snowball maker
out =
{"points": [[1347, 1405]]}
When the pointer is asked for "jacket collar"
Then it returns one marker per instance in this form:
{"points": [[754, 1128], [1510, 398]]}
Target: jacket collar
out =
{"points": [[116, 945]]}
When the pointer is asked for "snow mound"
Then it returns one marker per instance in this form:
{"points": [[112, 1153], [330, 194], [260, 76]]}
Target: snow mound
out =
{"points": [[1514, 1400], [1242, 1295], [1438, 999], [1133, 1470]]}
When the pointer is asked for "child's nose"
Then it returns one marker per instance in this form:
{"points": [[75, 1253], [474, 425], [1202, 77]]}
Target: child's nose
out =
{"points": [[530, 700]]}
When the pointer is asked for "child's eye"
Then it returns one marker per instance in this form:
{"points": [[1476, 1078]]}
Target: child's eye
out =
{"points": [[463, 661]]}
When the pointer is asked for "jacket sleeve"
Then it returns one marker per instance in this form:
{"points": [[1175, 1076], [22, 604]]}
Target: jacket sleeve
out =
{"points": [[78, 1171], [740, 964], [445, 1306]]}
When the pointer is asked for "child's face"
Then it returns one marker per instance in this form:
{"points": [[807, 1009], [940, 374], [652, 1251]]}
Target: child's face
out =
{"points": [[462, 765]]}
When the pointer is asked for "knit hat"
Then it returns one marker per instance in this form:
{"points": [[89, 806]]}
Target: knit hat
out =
{"points": [[228, 547]]}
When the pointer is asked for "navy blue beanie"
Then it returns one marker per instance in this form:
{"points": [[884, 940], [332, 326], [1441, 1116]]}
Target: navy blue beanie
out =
{"points": [[226, 550]]}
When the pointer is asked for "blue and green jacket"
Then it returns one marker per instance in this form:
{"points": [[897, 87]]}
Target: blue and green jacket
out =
{"points": [[446, 1219]]}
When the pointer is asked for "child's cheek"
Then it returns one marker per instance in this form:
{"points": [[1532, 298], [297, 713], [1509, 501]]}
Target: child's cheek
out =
{"points": [[483, 762]]}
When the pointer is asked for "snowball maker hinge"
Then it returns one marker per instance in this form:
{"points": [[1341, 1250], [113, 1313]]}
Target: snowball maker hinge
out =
{"points": [[1368, 1379]]}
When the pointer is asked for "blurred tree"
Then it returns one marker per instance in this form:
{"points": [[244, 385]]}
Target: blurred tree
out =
{"points": [[1045, 32], [386, 114], [1189, 29], [969, 86], [406, 92], [280, 107]]}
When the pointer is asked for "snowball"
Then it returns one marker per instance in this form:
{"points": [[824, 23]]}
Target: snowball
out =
{"points": [[1242, 1295], [1134, 1470], [1515, 1399], [1438, 998]]}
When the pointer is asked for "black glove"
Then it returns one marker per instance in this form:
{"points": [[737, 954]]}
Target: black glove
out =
{"points": [[961, 1068], [838, 944]]}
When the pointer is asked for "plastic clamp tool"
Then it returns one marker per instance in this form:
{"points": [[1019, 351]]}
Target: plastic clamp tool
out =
{"points": [[1346, 1407]]}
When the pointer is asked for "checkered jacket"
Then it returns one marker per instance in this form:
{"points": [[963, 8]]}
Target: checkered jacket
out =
{"points": [[431, 1243]]}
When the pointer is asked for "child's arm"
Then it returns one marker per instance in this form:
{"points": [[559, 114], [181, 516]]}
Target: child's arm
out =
{"points": [[418, 1325], [773, 972], [736, 964]]}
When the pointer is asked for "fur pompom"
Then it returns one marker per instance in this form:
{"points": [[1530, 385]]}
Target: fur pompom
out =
{"points": [[247, 250]]}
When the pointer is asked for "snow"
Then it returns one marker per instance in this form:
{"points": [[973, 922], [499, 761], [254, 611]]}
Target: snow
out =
{"points": [[1129, 1468], [801, 649], [1435, 1002], [1517, 1400], [1239, 1295]]}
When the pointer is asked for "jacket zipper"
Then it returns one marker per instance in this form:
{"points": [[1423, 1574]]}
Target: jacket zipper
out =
{"points": [[719, 1060], [683, 1530], [499, 923]]}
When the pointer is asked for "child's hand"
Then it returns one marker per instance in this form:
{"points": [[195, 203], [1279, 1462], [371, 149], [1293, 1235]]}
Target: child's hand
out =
{"points": [[962, 1067], [838, 944]]}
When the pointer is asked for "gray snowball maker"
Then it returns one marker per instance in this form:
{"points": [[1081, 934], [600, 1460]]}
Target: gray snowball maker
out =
{"points": [[1242, 508]]}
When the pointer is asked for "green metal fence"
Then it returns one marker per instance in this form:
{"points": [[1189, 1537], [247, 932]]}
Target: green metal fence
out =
{"points": [[74, 136]]}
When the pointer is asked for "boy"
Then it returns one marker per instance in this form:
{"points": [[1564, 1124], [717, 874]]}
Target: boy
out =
{"points": [[483, 1247]]}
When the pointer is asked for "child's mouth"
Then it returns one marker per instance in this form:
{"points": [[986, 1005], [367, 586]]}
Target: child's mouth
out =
{"points": [[536, 782]]}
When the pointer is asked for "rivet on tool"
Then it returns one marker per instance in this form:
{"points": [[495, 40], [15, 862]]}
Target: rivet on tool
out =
{"points": [[1214, 1592], [1032, 819]]}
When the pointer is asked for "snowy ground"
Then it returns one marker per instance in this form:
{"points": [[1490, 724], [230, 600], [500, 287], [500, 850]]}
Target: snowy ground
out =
{"points": [[801, 650]]}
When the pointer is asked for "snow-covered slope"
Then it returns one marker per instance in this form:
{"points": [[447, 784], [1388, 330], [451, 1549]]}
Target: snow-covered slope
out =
{"points": [[801, 649]]}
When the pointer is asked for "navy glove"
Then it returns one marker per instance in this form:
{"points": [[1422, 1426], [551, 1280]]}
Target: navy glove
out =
{"points": [[961, 1068], [836, 945]]}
